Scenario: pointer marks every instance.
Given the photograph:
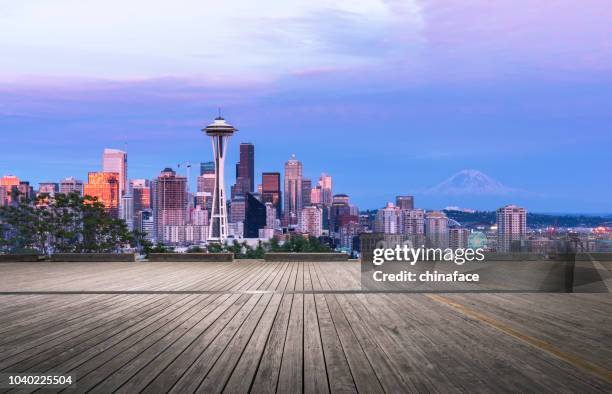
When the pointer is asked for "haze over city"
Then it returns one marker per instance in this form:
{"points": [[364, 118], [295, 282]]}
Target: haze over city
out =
{"points": [[388, 97]]}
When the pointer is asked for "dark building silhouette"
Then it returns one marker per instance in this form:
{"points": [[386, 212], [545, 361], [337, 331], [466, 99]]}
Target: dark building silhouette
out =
{"points": [[270, 190], [245, 171], [255, 216]]}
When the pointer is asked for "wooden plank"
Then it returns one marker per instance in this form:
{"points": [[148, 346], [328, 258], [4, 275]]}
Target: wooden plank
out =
{"points": [[290, 377]]}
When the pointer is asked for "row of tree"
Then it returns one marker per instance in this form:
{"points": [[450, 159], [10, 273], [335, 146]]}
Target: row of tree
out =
{"points": [[64, 223], [242, 250]]}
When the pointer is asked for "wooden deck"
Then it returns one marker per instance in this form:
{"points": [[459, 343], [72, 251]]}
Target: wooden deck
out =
{"points": [[291, 327]]}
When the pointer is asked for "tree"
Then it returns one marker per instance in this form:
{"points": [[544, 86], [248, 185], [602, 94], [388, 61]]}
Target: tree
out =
{"points": [[63, 223]]}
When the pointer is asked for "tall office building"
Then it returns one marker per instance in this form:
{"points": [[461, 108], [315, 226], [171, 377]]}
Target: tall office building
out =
{"points": [[511, 226], [404, 202], [306, 190], [315, 195], [169, 204], [387, 219], [340, 213], [270, 190], [115, 160], [245, 169], [126, 210], [71, 185], [141, 199], [325, 184], [436, 229], [311, 221], [238, 209], [207, 167], [255, 216], [205, 189], [105, 187], [293, 190], [141, 192]]}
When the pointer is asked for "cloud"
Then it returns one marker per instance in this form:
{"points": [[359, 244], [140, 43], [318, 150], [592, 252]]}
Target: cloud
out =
{"points": [[239, 39]]}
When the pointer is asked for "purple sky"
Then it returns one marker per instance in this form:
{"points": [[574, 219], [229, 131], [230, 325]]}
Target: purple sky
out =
{"points": [[390, 97]]}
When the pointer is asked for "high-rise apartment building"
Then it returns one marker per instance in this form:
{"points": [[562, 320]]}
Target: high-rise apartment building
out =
{"points": [[458, 238], [325, 184], [105, 187], [115, 160], [71, 185], [436, 229], [387, 219], [169, 204], [511, 226], [404, 202], [311, 221], [412, 221], [293, 190], [271, 191]]}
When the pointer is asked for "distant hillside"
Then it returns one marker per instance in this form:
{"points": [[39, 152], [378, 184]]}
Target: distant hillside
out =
{"points": [[533, 219]]}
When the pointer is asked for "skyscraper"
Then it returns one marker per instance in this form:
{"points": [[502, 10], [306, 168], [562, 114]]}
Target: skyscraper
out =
{"points": [[126, 210], [141, 199], [293, 190], [404, 202], [511, 226], [246, 168], [105, 187], [71, 185], [219, 132], [237, 209], [207, 167], [206, 186], [169, 203], [255, 216], [306, 189], [325, 184], [270, 190], [141, 192], [114, 160]]}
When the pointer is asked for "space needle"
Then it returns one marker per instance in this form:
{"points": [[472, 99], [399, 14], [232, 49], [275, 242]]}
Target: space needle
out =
{"points": [[219, 131]]}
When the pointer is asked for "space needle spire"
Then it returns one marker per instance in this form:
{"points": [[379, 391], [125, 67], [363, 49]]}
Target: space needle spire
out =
{"points": [[219, 132]]}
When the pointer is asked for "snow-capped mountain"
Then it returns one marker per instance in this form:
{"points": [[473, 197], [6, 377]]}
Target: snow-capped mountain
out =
{"points": [[470, 182]]}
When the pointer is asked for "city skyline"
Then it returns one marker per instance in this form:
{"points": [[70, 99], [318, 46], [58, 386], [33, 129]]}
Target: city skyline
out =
{"points": [[523, 99]]}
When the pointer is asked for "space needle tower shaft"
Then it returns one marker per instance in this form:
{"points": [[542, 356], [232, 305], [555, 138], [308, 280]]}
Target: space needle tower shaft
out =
{"points": [[219, 132]]}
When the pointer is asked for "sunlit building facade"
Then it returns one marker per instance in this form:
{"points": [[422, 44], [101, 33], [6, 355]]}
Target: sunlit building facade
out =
{"points": [[105, 187]]}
